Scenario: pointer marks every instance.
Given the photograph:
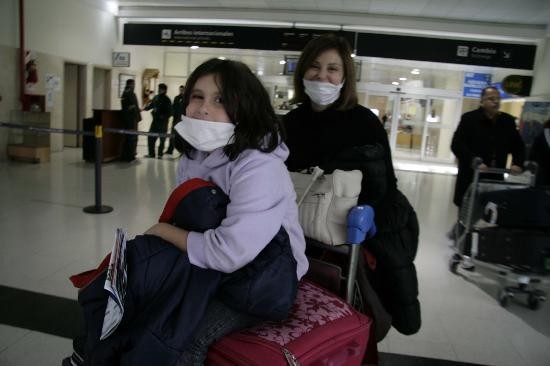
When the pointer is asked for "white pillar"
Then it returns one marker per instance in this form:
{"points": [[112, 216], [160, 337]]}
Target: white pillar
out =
{"points": [[541, 75]]}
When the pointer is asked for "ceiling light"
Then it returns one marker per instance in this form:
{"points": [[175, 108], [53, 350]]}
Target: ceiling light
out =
{"points": [[221, 58], [415, 72], [194, 47], [112, 6], [395, 83], [282, 62], [402, 79]]}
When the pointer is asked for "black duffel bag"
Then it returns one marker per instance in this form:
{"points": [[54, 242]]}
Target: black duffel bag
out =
{"points": [[517, 208]]}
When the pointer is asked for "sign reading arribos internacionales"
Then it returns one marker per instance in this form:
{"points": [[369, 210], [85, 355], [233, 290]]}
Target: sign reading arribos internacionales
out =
{"points": [[515, 56]]}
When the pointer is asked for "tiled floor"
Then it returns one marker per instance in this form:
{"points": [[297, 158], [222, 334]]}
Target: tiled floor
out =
{"points": [[45, 237]]}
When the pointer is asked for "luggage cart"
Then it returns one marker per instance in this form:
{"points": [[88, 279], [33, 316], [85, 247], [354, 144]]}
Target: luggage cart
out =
{"points": [[470, 226]]}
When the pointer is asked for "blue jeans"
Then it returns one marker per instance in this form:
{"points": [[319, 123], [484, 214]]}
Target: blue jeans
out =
{"points": [[218, 321]]}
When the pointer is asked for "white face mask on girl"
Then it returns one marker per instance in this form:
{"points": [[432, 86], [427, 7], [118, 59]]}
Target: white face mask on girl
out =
{"points": [[205, 135], [322, 93]]}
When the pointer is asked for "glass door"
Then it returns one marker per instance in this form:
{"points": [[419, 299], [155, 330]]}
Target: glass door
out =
{"points": [[382, 105], [411, 117], [442, 117], [419, 127]]}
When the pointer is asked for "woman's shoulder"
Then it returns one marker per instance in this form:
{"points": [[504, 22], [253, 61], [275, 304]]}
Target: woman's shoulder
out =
{"points": [[297, 112], [365, 112]]}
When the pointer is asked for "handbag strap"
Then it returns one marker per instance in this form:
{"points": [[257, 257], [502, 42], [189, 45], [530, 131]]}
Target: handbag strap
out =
{"points": [[317, 172]]}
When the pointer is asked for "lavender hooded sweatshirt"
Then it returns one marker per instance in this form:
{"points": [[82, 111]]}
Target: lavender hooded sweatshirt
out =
{"points": [[262, 199]]}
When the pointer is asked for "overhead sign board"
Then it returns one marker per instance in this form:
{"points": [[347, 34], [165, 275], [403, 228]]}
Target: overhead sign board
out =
{"points": [[517, 56]]}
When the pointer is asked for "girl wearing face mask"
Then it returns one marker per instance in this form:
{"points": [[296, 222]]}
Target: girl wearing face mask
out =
{"points": [[231, 136], [331, 130]]}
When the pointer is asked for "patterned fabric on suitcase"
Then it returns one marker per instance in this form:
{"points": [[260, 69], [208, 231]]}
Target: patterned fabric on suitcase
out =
{"points": [[322, 329]]}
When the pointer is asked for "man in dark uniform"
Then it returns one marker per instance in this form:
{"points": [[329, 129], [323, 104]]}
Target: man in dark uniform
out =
{"points": [[162, 110], [177, 107], [130, 117]]}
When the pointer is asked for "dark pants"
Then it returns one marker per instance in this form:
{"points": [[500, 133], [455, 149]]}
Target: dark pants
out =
{"points": [[158, 126], [170, 149], [129, 144], [165, 301], [218, 321]]}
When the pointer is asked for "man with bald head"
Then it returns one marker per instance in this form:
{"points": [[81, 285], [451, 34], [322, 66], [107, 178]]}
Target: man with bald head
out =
{"points": [[489, 134]]}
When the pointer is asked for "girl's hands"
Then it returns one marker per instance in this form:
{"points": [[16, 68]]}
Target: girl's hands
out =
{"points": [[170, 233]]}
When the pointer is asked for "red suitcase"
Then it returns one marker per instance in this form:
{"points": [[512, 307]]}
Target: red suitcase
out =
{"points": [[322, 329]]}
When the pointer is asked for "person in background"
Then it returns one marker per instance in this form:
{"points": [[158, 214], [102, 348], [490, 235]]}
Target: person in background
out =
{"points": [[330, 129], [540, 153], [161, 107], [130, 117], [488, 134], [177, 107]]}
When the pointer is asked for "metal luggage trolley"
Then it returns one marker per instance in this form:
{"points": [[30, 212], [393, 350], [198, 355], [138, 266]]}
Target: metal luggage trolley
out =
{"points": [[359, 223], [467, 230]]}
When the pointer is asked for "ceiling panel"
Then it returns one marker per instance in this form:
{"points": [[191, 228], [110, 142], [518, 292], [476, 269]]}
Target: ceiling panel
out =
{"points": [[534, 12]]}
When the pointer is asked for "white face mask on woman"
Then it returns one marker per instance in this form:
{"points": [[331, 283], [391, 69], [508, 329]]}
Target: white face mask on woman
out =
{"points": [[205, 135], [322, 93]]}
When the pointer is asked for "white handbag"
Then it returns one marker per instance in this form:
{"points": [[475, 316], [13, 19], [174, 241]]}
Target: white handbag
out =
{"points": [[324, 202]]}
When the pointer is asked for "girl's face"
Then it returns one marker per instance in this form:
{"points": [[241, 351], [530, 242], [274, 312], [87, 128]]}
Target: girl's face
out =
{"points": [[205, 101], [327, 67]]}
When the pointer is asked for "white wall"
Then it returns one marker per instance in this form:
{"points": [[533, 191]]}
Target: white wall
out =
{"points": [[58, 31], [75, 30], [541, 79]]}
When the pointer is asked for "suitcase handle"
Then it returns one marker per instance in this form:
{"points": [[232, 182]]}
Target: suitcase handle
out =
{"points": [[528, 165]]}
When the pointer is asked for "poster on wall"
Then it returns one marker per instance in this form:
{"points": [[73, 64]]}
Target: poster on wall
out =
{"points": [[474, 83], [31, 71], [533, 116]]}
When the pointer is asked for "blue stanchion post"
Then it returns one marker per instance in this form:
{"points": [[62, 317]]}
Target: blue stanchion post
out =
{"points": [[98, 208]]}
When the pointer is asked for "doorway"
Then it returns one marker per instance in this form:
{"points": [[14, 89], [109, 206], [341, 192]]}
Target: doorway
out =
{"points": [[419, 126], [74, 93], [101, 97]]}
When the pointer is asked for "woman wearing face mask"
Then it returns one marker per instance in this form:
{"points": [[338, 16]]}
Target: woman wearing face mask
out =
{"points": [[331, 130], [329, 120]]}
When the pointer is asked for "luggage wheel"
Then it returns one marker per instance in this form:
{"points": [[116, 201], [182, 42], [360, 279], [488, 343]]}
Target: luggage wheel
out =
{"points": [[454, 262], [534, 299], [503, 297]]}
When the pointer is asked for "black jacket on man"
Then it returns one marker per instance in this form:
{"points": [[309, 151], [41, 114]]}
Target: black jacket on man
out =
{"points": [[491, 140], [130, 118], [540, 153]]}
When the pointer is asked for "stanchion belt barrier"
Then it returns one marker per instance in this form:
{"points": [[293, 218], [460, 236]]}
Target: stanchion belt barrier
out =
{"points": [[97, 208]]}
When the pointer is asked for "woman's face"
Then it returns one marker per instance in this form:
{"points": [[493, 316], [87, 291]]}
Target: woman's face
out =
{"points": [[327, 67], [205, 101]]}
